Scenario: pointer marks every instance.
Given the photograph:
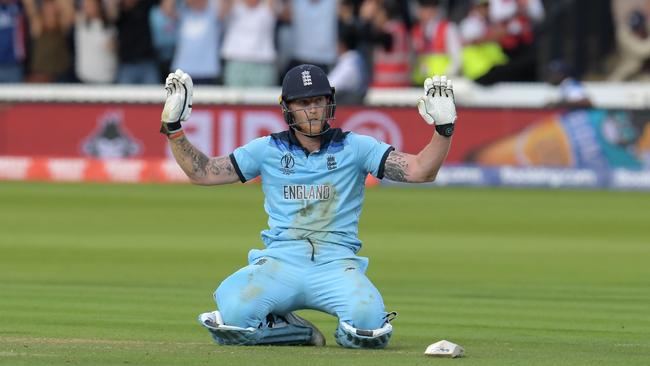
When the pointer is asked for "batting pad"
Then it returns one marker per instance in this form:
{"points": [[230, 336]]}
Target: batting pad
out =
{"points": [[227, 335], [351, 337]]}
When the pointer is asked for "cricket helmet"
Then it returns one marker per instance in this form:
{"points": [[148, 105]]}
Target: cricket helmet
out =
{"points": [[307, 81]]}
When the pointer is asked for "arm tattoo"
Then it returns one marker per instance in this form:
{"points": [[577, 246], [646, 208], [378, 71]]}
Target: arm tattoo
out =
{"points": [[196, 158], [221, 165], [197, 164], [396, 166]]}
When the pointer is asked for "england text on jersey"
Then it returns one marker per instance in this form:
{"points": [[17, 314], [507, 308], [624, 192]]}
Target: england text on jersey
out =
{"points": [[320, 192]]}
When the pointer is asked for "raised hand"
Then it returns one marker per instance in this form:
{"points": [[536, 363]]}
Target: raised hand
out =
{"points": [[437, 106], [178, 105]]}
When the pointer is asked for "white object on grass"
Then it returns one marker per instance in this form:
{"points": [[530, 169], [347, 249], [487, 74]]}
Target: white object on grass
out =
{"points": [[444, 348]]}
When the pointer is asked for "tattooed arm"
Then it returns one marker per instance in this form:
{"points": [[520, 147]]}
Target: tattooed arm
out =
{"points": [[199, 168], [423, 167]]}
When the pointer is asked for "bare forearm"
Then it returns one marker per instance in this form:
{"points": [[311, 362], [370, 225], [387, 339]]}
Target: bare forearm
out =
{"points": [[431, 158], [437, 107], [112, 9], [189, 158], [423, 167], [34, 19], [198, 167], [67, 13], [30, 8]]}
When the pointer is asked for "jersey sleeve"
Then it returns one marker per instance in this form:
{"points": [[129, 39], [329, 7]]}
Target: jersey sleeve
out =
{"points": [[372, 154], [247, 159]]}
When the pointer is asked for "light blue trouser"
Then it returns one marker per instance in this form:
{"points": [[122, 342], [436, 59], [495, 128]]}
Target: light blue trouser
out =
{"points": [[284, 278]]}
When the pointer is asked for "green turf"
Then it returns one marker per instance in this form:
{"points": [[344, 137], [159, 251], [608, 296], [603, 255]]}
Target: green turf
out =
{"points": [[116, 274]]}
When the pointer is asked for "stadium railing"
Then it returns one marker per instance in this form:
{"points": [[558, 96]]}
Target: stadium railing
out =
{"points": [[628, 95]]}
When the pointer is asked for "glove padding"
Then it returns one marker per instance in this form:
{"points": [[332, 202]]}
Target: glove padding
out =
{"points": [[178, 106], [437, 106]]}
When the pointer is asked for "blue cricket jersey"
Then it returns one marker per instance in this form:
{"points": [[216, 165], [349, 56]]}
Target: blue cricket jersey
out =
{"points": [[312, 196]]}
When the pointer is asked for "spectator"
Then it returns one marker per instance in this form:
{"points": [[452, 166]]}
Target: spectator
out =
{"points": [[533, 9], [634, 47], [475, 27], [50, 24], [436, 42], [349, 76], [284, 36], [481, 50], [519, 32], [515, 20], [197, 48], [507, 11], [572, 93], [368, 33], [248, 46], [391, 65], [163, 21], [12, 41], [346, 13], [95, 44], [314, 32], [137, 61]]}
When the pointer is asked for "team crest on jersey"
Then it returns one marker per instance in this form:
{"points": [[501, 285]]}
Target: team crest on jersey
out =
{"points": [[286, 164], [331, 162], [306, 78]]}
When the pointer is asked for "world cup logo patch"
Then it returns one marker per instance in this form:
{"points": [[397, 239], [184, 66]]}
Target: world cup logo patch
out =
{"points": [[286, 164], [331, 162]]}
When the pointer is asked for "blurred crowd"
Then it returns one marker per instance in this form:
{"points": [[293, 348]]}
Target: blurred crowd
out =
{"points": [[250, 43]]}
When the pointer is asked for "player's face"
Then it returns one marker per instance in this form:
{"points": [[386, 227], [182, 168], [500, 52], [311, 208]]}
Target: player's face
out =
{"points": [[308, 113]]}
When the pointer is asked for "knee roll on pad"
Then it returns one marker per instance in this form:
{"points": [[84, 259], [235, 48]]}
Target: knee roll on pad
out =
{"points": [[350, 337]]}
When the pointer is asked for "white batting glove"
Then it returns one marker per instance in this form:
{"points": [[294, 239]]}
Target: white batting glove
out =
{"points": [[178, 106], [437, 106]]}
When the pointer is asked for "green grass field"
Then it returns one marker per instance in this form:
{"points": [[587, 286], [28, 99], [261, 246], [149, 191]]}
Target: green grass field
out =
{"points": [[116, 274]]}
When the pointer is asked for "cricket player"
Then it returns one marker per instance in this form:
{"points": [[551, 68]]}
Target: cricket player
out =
{"points": [[313, 180]]}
